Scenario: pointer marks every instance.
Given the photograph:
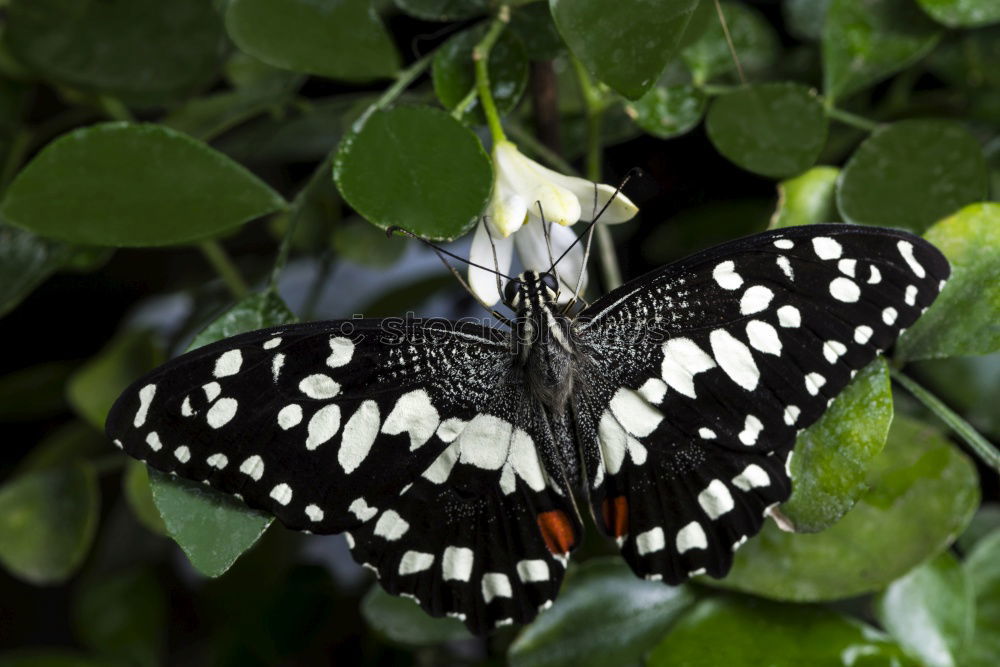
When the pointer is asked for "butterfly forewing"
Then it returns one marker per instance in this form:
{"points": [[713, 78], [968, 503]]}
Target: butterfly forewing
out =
{"points": [[403, 433], [700, 375]]}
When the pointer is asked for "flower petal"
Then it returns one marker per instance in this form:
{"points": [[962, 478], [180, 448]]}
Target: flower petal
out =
{"points": [[482, 282], [569, 267], [620, 210], [506, 212], [534, 254], [525, 177]]}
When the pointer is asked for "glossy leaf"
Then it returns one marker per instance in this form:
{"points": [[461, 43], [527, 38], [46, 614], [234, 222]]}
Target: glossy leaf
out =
{"points": [[807, 199], [207, 117], [443, 10], [603, 616], [930, 611], [437, 171], [214, 529], [145, 50], [772, 129], [120, 184], [26, 260], [359, 242], [403, 621], [923, 492], [533, 25], [342, 40], [985, 521], [754, 40], [741, 632], [668, 111], [969, 59], [626, 48], [832, 457], [96, 385], [865, 41], [139, 494], [804, 18], [962, 13], [912, 173], [963, 319], [983, 569], [47, 522], [122, 616], [454, 77]]}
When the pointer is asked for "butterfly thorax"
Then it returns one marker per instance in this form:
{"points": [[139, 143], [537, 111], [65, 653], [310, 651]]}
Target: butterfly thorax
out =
{"points": [[542, 341]]}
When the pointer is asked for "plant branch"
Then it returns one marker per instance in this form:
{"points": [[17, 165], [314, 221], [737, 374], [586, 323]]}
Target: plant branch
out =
{"points": [[402, 82], [224, 266], [481, 61], [593, 102], [963, 429], [848, 118], [729, 42]]}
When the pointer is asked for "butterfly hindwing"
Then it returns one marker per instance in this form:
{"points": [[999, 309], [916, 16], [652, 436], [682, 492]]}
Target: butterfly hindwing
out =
{"points": [[699, 376], [396, 431]]}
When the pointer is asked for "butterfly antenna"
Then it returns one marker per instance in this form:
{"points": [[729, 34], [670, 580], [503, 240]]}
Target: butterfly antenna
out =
{"points": [[441, 252], [586, 258], [493, 249], [631, 173]]}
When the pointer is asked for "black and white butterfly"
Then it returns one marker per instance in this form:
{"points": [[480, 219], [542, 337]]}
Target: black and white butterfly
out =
{"points": [[451, 453]]}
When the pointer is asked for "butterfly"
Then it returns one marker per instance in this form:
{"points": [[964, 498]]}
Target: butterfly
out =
{"points": [[452, 454]]}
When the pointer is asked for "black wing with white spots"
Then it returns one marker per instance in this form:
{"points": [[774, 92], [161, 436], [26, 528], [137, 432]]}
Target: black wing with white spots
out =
{"points": [[398, 433], [697, 377]]}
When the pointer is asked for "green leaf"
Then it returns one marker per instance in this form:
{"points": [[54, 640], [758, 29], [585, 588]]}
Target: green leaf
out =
{"points": [[454, 77], [443, 10], [122, 616], [968, 60], [626, 48], [865, 41], [603, 616], [72, 442], [754, 40], [214, 529], [832, 457], [983, 569], [139, 494], [740, 632], [535, 28], [912, 173], [668, 111], [964, 318], [145, 50], [437, 171], [342, 40], [95, 386], [985, 521], [804, 18], [962, 13], [930, 611], [35, 392], [359, 242], [207, 117], [119, 184], [772, 129], [923, 492], [26, 261], [806, 199], [402, 620], [47, 522]]}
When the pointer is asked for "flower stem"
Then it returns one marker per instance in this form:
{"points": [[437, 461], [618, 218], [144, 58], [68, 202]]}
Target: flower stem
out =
{"points": [[848, 118], [481, 60], [593, 102], [540, 150], [223, 265], [963, 429], [402, 82]]}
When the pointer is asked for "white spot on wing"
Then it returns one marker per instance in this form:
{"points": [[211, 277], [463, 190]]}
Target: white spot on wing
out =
{"points": [[533, 570], [456, 564], [212, 391], [682, 360], [341, 351], [784, 244], [755, 299], [415, 561], [791, 415], [153, 440], [734, 358], [282, 494], [763, 337], [413, 414], [752, 477], [716, 499], [182, 454], [814, 382], [653, 390], [751, 430], [360, 508], [228, 363], [217, 461], [845, 289], [276, 364], [862, 334], [691, 536], [650, 541], [390, 526], [833, 350], [889, 315], [319, 386], [323, 425], [785, 266], [314, 513], [273, 343], [496, 585], [826, 248], [360, 432], [145, 399], [706, 433], [789, 317], [290, 416], [637, 416], [847, 266], [906, 250], [439, 471], [725, 274], [485, 442], [221, 412], [911, 295], [253, 467]]}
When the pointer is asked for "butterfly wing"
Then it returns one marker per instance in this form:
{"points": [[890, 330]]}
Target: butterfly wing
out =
{"points": [[696, 379], [413, 436]]}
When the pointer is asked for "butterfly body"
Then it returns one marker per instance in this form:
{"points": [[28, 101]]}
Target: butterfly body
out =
{"points": [[450, 452]]}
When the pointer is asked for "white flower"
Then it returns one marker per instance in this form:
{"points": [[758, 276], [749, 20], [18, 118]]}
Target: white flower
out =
{"points": [[523, 192]]}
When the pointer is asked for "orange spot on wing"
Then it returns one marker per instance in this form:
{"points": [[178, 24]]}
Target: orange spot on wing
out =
{"points": [[615, 514], [557, 531]]}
